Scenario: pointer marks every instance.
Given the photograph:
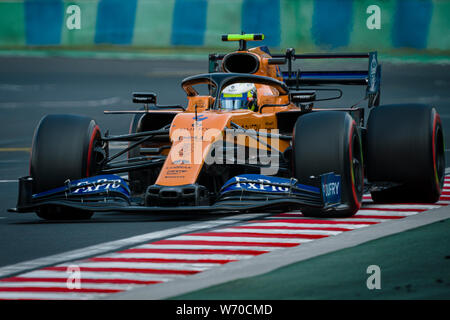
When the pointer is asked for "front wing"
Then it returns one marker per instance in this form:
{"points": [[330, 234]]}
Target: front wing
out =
{"points": [[244, 193]]}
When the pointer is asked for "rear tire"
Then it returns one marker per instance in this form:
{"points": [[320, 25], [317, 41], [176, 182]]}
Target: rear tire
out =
{"points": [[329, 141], [406, 147], [64, 147]]}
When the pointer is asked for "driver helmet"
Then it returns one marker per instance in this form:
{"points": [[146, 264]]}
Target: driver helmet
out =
{"points": [[239, 96]]}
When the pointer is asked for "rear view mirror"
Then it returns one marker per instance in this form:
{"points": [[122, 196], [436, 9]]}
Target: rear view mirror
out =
{"points": [[302, 96], [144, 97]]}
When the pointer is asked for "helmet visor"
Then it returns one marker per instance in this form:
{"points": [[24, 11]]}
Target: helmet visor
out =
{"points": [[234, 103]]}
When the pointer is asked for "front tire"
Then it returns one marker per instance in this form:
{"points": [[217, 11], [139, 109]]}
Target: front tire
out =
{"points": [[329, 141], [64, 147]]}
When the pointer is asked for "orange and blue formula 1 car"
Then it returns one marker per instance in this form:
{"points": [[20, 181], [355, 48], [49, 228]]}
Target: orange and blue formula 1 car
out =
{"points": [[250, 136]]}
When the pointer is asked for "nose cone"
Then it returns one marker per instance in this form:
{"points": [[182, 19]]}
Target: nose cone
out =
{"points": [[192, 136]]}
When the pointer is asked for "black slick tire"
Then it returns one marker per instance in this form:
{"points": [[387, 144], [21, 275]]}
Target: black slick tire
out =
{"points": [[405, 147], [329, 141], [64, 147]]}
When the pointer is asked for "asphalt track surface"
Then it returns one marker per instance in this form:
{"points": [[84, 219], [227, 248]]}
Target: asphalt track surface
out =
{"points": [[33, 87]]}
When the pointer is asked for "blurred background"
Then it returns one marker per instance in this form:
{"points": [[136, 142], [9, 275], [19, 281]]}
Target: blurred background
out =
{"points": [[190, 26]]}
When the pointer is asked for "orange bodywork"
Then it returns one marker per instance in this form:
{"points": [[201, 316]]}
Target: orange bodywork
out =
{"points": [[194, 131]]}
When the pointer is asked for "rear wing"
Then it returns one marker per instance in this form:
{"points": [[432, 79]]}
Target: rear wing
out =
{"points": [[370, 77]]}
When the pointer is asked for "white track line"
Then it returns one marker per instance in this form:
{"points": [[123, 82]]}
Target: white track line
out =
{"points": [[276, 223], [84, 285], [103, 275], [370, 212], [188, 256], [206, 246], [328, 219], [144, 265], [277, 231], [243, 239], [365, 212]]}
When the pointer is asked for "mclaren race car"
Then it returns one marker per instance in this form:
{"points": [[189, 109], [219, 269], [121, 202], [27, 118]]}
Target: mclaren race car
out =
{"points": [[250, 137]]}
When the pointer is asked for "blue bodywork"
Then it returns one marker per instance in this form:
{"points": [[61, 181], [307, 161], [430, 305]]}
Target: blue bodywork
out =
{"points": [[97, 185], [105, 193], [329, 191]]}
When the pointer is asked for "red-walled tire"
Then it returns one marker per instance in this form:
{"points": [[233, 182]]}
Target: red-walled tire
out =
{"points": [[64, 147], [405, 146], [329, 141]]}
